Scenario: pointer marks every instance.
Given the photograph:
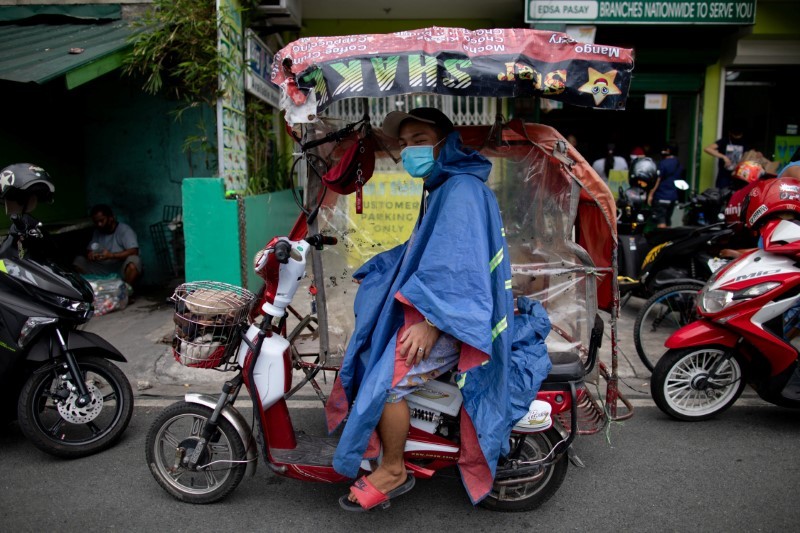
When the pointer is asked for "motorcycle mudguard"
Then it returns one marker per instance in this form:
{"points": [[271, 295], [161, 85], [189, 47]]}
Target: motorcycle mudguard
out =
{"points": [[77, 341], [239, 424], [701, 333]]}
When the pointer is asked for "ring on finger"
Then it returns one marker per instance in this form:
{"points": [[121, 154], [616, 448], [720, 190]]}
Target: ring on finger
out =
{"points": [[421, 350]]}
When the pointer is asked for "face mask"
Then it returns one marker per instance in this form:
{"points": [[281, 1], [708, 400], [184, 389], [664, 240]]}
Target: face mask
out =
{"points": [[418, 160]]}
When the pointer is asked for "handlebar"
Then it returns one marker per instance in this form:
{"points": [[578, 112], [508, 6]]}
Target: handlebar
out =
{"points": [[319, 240], [283, 249]]}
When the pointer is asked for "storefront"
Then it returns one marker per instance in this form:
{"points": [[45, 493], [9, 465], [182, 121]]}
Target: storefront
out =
{"points": [[677, 43]]}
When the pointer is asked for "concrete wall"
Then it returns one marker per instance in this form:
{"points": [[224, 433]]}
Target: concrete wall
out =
{"points": [[134, 159], [211, 227]]}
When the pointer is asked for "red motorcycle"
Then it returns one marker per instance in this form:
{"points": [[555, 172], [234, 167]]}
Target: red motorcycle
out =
{"points": [[749, 320], [201, 448]]}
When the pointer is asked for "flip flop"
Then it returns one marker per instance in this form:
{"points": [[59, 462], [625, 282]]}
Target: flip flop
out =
{"points": [[369, 497]]}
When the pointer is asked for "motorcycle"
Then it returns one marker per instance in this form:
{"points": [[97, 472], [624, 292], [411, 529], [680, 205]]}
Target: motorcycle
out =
{"points": [[560, 227], [200, 449], [70, 400], [672, 256], [739, 337], [706, 207]]}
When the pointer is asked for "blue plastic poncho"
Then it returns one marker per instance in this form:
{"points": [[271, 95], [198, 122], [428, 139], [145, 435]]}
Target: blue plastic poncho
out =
{"points": [[455, 271]]}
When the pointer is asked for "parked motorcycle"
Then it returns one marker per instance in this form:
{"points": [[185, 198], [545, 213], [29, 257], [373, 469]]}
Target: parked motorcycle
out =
{"points": [[706, 207], [664, 257], [747, 325], [200, 449], [58, 381]]}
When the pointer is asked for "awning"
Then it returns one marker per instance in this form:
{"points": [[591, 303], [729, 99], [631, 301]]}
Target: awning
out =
{"points": [[80, 52]]}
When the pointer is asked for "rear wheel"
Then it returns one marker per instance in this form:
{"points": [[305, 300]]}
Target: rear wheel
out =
{"points": [[173, 439], [683, 386], [529, 491], [663, 314], [49, 414]]}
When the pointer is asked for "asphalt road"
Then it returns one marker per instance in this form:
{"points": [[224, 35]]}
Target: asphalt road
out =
{"points": [[738, 472]]}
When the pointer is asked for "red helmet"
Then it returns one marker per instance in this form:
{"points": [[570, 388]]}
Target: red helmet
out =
{"points": [[770, 198], [748, 171]]}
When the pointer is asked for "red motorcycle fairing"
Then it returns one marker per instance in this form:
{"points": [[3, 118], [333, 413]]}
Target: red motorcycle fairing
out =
{"points": [[701, 333]]}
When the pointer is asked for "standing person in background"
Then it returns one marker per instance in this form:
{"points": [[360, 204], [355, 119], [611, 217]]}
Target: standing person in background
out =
{"points": [[610, 162], [729, 151], [664, 195], [636, 153]]}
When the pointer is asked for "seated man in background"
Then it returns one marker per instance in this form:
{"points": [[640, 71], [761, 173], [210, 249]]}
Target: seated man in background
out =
{"points": [[113, 249]]}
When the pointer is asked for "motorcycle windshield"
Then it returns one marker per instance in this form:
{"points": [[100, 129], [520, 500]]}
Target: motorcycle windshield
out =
{"points": [[539, 201]]}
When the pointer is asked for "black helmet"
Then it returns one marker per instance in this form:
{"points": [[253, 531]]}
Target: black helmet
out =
{"points": [[22, 180], [643, 173]]}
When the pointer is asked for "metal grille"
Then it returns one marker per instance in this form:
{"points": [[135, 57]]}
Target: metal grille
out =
{"points": [[462, 110]]}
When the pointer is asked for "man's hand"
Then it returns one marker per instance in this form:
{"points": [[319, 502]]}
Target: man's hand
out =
{"points": [[99, 256], [417, 342]]}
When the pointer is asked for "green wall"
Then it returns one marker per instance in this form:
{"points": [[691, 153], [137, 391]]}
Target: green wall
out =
{"points": [[134, 158], [104, 142], [211, 230], [211, 226]]}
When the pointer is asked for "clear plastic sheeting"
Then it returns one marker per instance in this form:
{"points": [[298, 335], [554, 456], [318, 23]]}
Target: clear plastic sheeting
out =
{"points": [[539, 200]]}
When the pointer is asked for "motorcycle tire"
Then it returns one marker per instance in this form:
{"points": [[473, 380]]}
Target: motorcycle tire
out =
{"points": [[679, 388], [179, 426], [662, 314], [49, 418], [529, 495]]}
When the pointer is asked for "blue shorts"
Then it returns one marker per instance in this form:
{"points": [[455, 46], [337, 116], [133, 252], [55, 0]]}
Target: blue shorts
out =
{"points": [[443, 357]]}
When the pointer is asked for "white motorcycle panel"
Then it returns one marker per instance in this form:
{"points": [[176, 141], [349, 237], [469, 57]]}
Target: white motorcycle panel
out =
{"points": [[755, 266], [268, 371], [537, 419]]}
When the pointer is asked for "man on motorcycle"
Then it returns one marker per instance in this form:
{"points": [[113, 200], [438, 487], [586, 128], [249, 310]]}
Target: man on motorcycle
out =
{"points": [[441, 299]]}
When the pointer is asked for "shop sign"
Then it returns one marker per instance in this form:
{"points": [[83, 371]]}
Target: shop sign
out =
{"points": [[641, 12], [259, 64], [655, 101]]}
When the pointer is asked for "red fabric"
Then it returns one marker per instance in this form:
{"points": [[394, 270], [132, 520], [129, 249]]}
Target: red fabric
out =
{"points": [[337, 406], [474, 469]]}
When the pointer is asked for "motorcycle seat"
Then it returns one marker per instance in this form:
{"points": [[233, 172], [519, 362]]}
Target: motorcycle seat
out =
{"points": [[662, 235], [567, 366]]}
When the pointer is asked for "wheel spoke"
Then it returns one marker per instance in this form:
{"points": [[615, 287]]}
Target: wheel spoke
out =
{"points": [[170, 439], [55, 428], [210, 478], [93, 428], [110, 396], [219, 448]]}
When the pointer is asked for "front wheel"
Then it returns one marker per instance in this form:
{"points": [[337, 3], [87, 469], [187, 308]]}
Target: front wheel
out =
{"points": [[172, 441], [50, 418], [663, 314], [530, 491], [684, 388]]}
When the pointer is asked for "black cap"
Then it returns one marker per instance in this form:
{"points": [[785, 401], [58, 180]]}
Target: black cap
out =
{"points": [[428, 115]]}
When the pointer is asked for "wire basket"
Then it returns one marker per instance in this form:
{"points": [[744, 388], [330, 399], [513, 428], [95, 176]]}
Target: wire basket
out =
{"points": [[208, 318]]}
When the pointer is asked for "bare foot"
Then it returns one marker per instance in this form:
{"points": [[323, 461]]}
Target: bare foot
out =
{"points": [[384, 480]]}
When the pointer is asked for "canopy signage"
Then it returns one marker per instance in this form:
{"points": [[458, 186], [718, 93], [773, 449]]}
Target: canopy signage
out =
{"points": [[454, 61], [741, 12]]}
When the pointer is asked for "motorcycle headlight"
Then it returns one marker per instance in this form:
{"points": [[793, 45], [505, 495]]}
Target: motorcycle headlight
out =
{"points": [[84, 309], [31, 327], [714, 301]]}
